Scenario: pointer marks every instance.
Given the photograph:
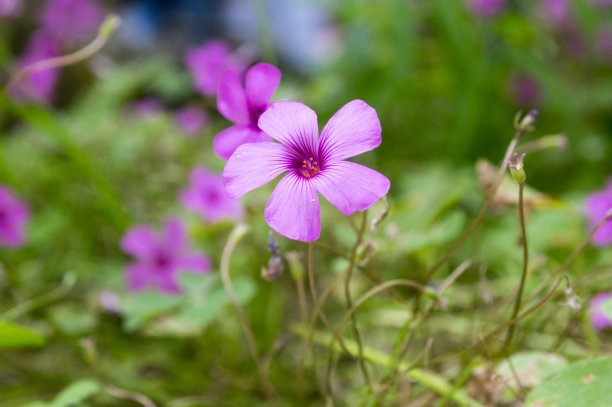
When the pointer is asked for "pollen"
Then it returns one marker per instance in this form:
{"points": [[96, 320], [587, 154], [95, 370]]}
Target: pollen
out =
{"points": [[309, 168]]}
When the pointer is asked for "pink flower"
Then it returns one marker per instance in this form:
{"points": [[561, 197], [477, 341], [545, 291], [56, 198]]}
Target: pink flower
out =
{"points": [[595, 207], [206, 196], [38, 86], [486, 8], [314, 165], [147, 108], [557, 12], [603, 42], [598, 318], [160, 258], [10, 8], [14, 217], [71, 21], [526, 90], [208, 62], [190, 119], [243, 105]]}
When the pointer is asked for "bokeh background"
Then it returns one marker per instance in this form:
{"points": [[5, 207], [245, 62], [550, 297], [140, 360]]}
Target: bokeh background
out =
{"points": [[103, 150]]}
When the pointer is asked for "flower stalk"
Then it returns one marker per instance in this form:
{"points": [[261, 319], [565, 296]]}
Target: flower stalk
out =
{"points": [[518, 173]]}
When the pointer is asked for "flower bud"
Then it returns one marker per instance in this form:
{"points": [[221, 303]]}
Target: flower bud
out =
{"points": [[526, 123], [516, 168]]}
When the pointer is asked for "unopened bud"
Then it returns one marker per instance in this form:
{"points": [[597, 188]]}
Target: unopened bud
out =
{"points": [[273, 244], [109, 25], [274, 270], [526, 123], [516, 168]]}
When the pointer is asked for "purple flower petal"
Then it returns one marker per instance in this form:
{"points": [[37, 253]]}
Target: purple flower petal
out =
{"points": [[232, 102], [207, 197], [139, 242], [293, 209], [293, 124], [227, 141], [253, 165], [261, 83], [351, 187], [166, 283], [195, 263], [353, 130], [71, 21], [137, 277], [175, 237], [598, 318]]}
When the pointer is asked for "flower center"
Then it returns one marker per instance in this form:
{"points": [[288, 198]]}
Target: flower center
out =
{"points": [[309, 168], [254, 114], [162, 261]]}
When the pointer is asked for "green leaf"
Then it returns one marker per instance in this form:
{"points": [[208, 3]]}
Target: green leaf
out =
{"points": [[585, 383], [15, 336], [75, 393], [606, 308], [142, 307], [73, 320], [531, 369], [71, 396]]}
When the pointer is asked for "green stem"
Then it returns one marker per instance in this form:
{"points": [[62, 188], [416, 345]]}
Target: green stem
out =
{"points": [[519, 294], [424, 377], [239, 231], [349, 301]]}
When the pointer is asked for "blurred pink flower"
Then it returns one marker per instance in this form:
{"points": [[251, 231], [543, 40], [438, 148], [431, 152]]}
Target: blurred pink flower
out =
{"points": [[14, 217], [208, 62], [313, 164], [191, 119], [243, 105], [556, 12], [38, 86], [160, 257], [486, 8], [603, 43], [598, 318], [206, 196], [596, 206], [146, 108], [71, 21], [10, 8], [526, 90]]}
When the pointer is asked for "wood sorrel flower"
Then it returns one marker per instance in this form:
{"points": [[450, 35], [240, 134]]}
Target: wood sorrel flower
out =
{"points": [[314, 164], [598, 318], [243, 105], [208, 62], [71, 21], [14, 217], [206, 196], [160, 258], [597, 207]]}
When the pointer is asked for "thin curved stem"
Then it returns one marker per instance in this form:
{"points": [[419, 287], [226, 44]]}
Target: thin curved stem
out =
{"points": [[347, 295], [492, 192], [519, 294], [237, 233], [109, 25], [315, 299], [574, 255]]}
